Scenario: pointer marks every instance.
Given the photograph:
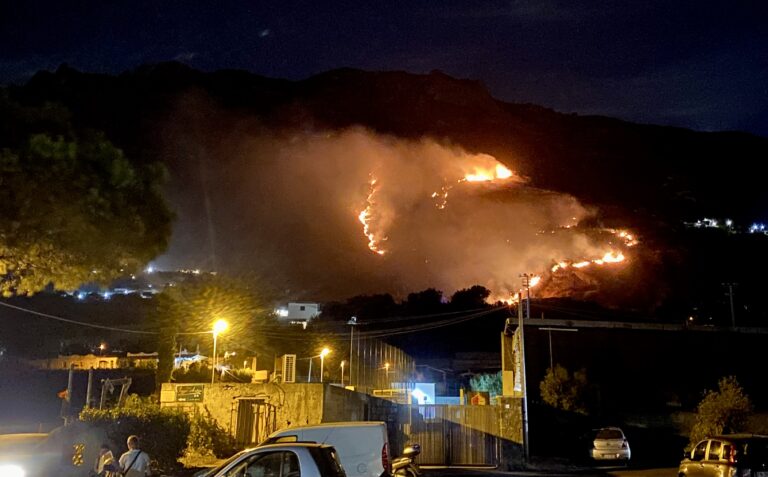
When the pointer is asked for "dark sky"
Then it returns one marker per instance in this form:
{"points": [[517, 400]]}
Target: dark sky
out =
{"points": [[696, 64]]}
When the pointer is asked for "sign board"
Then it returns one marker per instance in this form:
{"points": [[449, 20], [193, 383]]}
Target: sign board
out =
{"points": [[479, 398], [189, 393]]}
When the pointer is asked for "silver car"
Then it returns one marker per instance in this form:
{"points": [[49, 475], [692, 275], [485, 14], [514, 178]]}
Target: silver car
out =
{"points": [[610, 444], [281, 460], [731, 455]]}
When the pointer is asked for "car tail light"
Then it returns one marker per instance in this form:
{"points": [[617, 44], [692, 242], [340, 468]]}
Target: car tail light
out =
{"points": [[385, 458], [732, 455]]}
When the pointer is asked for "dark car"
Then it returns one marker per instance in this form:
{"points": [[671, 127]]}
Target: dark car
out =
{"points": [[732, 455]]}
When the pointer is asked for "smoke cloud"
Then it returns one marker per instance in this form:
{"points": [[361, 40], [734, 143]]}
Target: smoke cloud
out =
{"points": [[288, 207]]}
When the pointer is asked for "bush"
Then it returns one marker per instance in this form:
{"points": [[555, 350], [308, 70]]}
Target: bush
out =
{"points": [[723, 411], [565, 392], [163, 432], [206, 437]]}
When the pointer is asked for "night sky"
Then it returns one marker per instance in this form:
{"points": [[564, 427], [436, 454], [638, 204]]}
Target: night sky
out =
{"points": [[696, 64]]}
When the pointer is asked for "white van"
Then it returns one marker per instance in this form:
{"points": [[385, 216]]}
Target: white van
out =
{"points": [[362, 446]]}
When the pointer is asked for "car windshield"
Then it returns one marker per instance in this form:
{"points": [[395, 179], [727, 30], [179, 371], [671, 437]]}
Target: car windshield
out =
{"points": [[609, 434], [215, 470]]}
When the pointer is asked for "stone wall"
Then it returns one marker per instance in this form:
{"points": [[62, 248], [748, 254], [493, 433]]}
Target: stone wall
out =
{"points": [[295, 404]]}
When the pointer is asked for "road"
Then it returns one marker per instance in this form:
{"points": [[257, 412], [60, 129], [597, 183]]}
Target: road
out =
{"points": [[583, 472]]}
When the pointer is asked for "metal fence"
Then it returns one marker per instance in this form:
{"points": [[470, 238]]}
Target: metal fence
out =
{"points": [[454, 435]]}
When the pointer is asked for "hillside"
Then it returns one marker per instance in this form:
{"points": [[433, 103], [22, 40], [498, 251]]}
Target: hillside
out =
{"points": [[649, 178]]}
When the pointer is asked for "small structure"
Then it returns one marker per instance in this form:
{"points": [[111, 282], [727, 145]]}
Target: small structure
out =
{"points": [[298, 313], [76, 361]]}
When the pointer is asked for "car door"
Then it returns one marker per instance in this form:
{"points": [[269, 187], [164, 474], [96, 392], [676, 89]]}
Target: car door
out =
{"points": [[267, 464], [694, 465], [714, 466]]}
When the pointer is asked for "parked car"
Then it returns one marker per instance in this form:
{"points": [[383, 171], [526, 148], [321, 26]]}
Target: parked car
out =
{"points": [[26, 455], [610, 443], [298, 459], [362, 446], [732, 455]]}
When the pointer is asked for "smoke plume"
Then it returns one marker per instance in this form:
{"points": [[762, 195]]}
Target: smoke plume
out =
{"points": [[330, 214]]}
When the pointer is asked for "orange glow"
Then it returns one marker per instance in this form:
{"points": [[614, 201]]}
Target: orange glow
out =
{"points": [[479, 174], [365, 218], [581, 264], [534, 281]]}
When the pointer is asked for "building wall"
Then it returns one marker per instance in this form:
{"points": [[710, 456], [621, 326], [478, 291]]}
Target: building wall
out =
{"points": [[295, 404]]}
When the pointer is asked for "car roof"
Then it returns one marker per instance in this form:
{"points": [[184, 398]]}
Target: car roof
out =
{"points": [[338, 424], [291, 444], [738, 437]]}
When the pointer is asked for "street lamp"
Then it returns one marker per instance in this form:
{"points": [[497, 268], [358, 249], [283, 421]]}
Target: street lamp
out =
{"points": [[342, 373], [323, 354], [352, 323], [218, 327], [549, 331]]}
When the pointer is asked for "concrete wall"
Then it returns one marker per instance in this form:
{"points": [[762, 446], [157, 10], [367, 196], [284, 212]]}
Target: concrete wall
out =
{"points": [[295, 404]]}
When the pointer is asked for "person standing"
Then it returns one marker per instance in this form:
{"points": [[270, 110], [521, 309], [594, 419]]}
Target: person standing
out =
{"points": [[134, 462], [105, 465]]}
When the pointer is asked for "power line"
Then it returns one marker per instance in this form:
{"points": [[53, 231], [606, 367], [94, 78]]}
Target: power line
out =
{"points": [[75, 322]]}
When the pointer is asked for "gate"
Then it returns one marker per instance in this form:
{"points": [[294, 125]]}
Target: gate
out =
{"points": [[455, 435], [256, 420]]}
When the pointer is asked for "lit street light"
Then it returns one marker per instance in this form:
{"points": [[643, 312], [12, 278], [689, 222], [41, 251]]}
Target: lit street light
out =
{"points": [[218, 327], [322, 356], [342, 373]]}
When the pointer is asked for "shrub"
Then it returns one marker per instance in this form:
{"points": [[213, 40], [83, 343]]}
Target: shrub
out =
{"points": [[562, 391], [207, 437], [723, 411], [163, 432]]}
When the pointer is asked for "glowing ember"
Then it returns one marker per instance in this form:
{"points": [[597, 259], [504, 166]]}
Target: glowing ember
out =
{"points": [[581, 264], [365, 218], [490, 174], [534, 281]]}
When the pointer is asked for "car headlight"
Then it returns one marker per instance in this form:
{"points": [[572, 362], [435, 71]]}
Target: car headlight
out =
{"points": [[9, 470]]}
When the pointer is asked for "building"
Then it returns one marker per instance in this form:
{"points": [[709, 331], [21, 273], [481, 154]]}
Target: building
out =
{"points": [[76, 361], [298, 313]]}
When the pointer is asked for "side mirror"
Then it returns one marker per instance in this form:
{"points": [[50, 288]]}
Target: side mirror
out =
{"points": [[412, 450]]}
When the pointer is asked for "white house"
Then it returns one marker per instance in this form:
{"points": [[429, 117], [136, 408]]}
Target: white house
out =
{"points": [[298, 313]]}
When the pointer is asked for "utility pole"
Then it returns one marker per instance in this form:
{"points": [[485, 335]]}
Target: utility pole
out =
{"points": [[352, 322], [730, 298], [521, 327]]}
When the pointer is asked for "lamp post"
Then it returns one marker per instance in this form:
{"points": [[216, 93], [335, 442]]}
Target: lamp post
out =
{"points": [[323, 354], [342, 373], [549, 331], [218, 327], [352, 322]]}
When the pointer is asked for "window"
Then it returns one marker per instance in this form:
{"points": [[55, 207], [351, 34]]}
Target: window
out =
{"points": [[714, 450], [302, 308], [267, 464], [609, 434], [700, 451]]}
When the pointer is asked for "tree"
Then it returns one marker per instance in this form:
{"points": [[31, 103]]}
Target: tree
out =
{"points": [[470, 298], [722, 411], [194, 305], [73, 208], [490, 383], [424, 302], [564, 391]]}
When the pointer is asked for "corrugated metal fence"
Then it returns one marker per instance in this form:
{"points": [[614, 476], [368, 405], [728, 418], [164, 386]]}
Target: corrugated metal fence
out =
{"points": [[454, 435]]}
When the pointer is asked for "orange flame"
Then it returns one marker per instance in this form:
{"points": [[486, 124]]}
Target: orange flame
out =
{"points": [[480, 174], [365, 218]]}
